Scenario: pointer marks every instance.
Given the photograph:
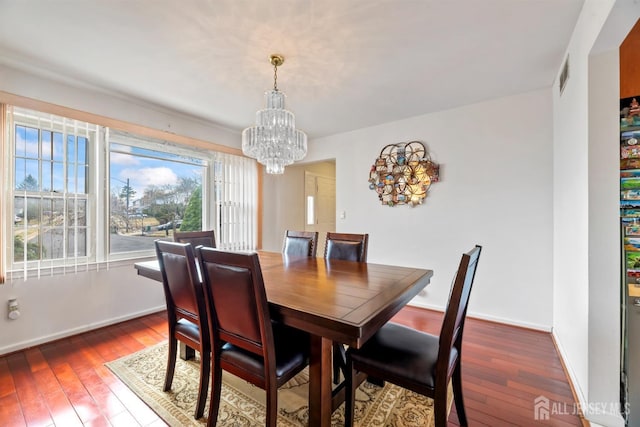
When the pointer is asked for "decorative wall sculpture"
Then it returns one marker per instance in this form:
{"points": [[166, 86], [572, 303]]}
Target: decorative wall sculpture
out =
{"points": [[403, 173]]}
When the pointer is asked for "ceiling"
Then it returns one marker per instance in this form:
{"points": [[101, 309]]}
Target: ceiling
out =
{"points": [[348, 63]]}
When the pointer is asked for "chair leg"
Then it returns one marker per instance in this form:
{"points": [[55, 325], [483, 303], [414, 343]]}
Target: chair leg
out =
{"points": [[457, 395], [272, 405], [440, 412], [216, 388], [350, 395], [171, 362], [203, 387], [339, 362], [440, 404]]}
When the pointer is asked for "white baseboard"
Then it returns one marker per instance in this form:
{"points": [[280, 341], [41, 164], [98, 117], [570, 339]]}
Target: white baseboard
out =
{"points": [[483, 316], [595, 420], [75, 331]]}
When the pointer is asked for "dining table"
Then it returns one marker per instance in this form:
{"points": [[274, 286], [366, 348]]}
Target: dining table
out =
{"points": [[334, 301]]}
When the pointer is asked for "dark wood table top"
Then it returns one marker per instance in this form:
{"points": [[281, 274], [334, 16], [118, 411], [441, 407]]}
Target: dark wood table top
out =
{"points": [[334, 300], [341, 300]]}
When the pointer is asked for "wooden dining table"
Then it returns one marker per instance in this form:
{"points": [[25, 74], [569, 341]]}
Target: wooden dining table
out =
{"points": [[333, 300]]}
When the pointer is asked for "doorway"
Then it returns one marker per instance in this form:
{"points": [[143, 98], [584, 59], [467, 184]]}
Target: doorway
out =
{"points": [[320, 205]]}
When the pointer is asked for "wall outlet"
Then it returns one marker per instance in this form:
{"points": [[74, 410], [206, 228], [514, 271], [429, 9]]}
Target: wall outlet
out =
{"points": [[14, 309]]}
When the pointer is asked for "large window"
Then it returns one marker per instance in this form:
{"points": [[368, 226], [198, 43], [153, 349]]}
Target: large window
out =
{"points": [[80, 194], [153, 193]]}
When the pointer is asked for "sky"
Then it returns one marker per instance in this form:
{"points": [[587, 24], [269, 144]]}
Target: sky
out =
{"points": [[142, 167], [142, 170]]}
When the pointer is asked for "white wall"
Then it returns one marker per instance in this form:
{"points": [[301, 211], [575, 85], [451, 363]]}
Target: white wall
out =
{"points": [[63, 305], [604, 234], [495, 190], [570, 231], [586, 220], [282, 206], [114, 106]]}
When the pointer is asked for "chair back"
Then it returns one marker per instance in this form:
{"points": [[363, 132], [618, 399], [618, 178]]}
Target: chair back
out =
{"points": [[456, 312], [180, 281], [237, 301], [300, 243], [345, 246], [196, 238]]}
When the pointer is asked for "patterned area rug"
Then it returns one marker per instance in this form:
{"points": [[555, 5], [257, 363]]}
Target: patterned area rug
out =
{"points": [[243, 404]]}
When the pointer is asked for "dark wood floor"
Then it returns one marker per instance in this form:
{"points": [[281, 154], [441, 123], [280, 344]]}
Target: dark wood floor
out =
{"points": [[65, 383]]}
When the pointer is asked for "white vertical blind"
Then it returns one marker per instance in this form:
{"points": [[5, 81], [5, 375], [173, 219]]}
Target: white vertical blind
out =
{"points": [[235, 192], [4, 189]]}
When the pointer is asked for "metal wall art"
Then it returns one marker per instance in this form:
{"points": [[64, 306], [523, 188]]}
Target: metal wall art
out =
{"points": [[403, 173]]}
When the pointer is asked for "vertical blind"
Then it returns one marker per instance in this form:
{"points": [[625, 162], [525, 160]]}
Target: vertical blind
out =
{"points": [[235, 189], [4, 182]]}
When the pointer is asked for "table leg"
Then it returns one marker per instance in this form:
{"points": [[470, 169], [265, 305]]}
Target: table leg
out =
{"points": [[320, 382], [185, 352]]}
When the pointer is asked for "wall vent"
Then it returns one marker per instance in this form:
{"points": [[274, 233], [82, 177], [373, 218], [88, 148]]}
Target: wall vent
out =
{"points": [[564, 75]]}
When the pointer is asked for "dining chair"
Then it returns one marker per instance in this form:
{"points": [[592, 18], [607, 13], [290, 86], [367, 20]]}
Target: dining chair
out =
{"points": [[300, 243], [245, 341], [196, 238], [345, 246], [348, 247], [418, 361], [186, 312]]}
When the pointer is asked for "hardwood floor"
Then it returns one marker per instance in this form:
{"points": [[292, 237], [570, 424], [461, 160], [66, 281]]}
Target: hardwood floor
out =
{"points": [[65, 383]]}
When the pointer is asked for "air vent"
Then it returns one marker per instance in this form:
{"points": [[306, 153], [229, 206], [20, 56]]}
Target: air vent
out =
{"points": [[564, 75]]}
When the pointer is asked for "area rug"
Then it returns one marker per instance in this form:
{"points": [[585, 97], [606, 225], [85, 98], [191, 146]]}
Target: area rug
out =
{"points": [[243, 404]]}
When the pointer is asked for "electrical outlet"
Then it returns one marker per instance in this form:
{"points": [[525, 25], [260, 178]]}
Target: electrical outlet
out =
{"points": [[14, 309]]}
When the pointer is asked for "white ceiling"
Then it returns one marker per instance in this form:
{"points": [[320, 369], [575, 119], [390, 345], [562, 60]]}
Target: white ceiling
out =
{"points": [[349, 63]]}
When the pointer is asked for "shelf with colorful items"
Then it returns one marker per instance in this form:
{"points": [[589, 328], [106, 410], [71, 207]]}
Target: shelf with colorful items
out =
{"points": [[403, 174]]}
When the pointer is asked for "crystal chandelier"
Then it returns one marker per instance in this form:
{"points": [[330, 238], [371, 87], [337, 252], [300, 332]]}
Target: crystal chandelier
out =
{"points": [[274, 141]]}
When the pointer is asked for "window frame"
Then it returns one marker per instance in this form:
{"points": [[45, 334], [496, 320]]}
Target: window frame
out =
{"points": [[97, 163], [131, 140], [91, 132]]}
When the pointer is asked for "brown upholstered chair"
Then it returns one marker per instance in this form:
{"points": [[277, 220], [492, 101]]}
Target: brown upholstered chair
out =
{"points": [[186, 311], [300, 243], [420, 362], [196, 238], [245, 342], [348, 247]]}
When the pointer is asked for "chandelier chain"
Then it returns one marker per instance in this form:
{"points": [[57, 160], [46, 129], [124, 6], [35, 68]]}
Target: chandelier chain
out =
{"points": [[275, 77]]}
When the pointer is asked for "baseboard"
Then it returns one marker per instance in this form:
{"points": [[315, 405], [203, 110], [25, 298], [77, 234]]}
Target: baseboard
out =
{"points": [[75, 331], [594, 420], [489, 318]]}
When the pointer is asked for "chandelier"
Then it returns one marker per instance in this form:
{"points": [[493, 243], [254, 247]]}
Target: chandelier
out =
{"points": [[274, 141]]}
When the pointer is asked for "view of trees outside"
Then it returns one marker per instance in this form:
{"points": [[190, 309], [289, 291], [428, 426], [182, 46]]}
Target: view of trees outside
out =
{"points": [[152, 194], [50, 197]]}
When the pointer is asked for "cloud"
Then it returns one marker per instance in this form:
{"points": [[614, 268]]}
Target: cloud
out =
{"points": [[29, 144], [124, 159], [139, 179]]}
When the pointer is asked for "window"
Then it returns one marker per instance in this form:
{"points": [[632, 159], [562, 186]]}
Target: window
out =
{"points": [[311, 220], [152, 194], [80, 194], [50, 193]]}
